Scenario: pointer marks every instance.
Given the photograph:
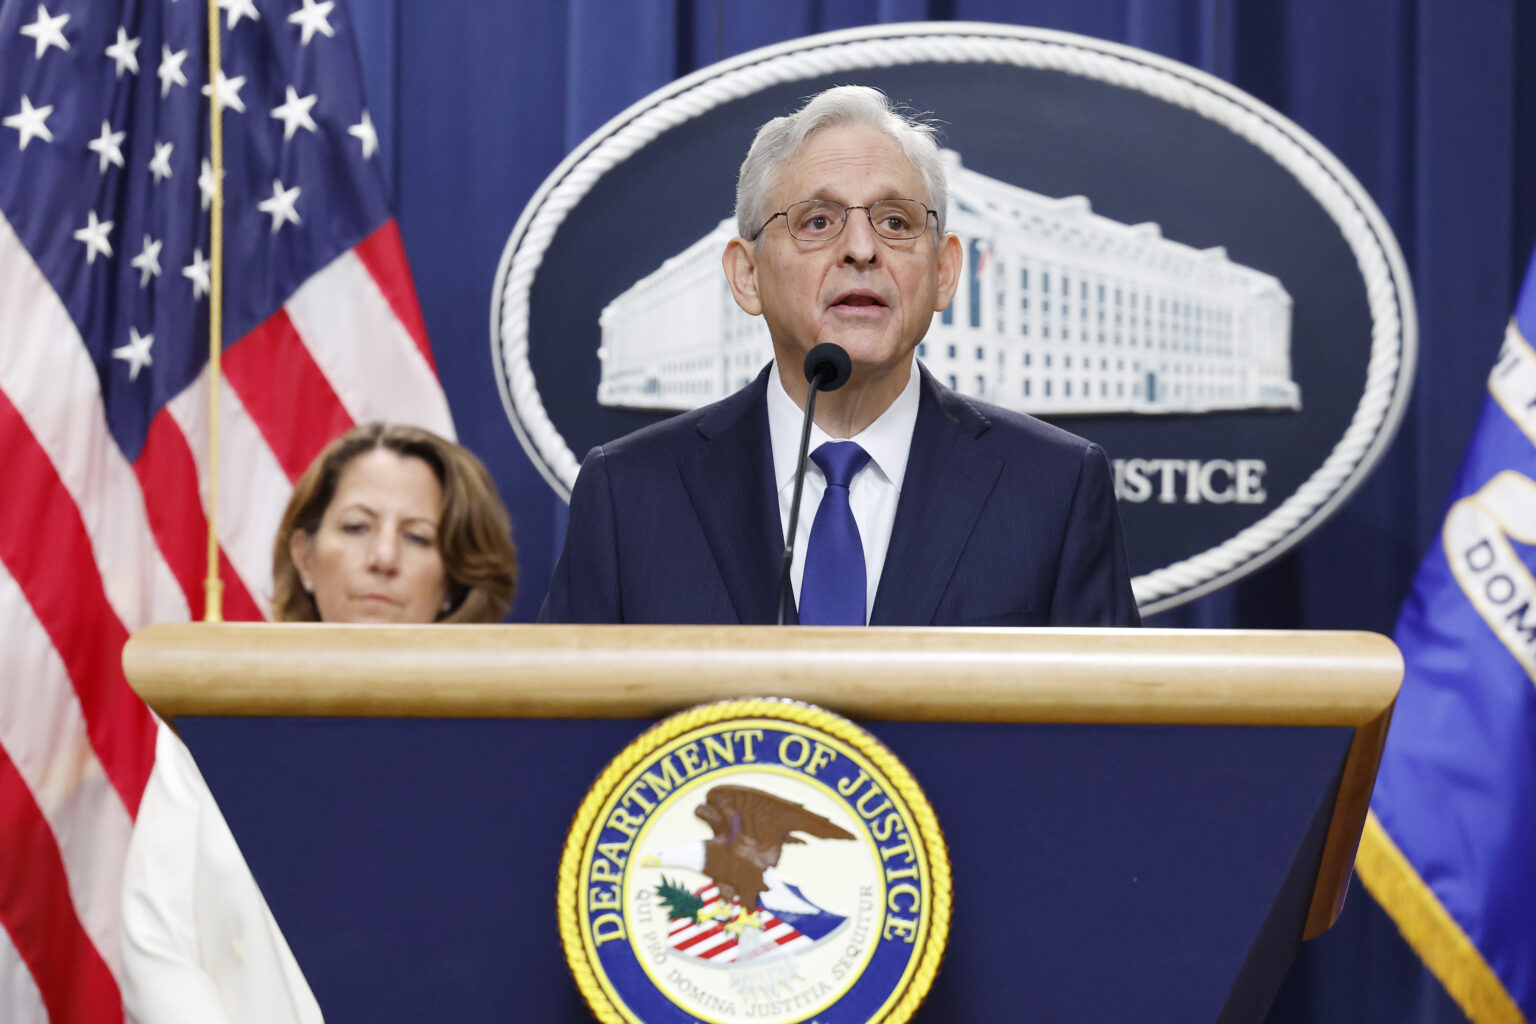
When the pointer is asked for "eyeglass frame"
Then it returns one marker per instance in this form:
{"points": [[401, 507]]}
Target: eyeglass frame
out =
{"points": [[929, 211]]}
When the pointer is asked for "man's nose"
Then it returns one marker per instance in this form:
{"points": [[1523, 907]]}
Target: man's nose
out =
{"points": [[860, 243]]}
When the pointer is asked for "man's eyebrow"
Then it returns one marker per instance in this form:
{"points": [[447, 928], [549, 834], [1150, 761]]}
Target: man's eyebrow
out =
{"points": [[887, 191]]}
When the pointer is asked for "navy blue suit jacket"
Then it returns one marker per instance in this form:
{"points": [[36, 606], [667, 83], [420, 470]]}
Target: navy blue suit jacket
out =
{"points": [[1002, 521]]}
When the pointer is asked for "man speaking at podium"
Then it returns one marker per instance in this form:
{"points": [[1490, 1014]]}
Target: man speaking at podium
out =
{"points": [[920, 506]]}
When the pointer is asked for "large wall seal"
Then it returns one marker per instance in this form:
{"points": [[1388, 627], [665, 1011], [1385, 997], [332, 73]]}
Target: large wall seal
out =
{"points": [[754, 860], [1154, 259]]}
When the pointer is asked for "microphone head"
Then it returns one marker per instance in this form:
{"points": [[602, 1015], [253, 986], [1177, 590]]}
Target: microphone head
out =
{"points": [[827, 366]]}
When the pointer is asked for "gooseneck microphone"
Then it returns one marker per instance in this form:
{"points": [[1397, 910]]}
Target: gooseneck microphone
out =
{"points": [[827, 368]]}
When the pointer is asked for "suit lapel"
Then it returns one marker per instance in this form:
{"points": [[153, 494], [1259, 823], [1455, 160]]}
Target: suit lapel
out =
{"points": [[946, 484], [729, 479]]}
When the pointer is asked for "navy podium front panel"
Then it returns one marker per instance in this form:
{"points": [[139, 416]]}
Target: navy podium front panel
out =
{"points": [[1101, 872]]}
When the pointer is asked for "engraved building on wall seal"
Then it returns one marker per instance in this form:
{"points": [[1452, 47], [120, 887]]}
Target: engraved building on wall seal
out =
{"points": [[1059, 311]]}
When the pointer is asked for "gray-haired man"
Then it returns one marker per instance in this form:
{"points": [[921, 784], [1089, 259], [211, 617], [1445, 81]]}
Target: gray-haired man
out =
{"points": [[948, 511]]}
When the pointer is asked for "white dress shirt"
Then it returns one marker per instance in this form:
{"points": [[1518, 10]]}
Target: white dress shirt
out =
{"points": [[874, 490]]}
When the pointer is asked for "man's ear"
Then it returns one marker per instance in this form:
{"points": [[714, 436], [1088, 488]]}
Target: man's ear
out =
{"points": [[740, 263], [949, 271]]}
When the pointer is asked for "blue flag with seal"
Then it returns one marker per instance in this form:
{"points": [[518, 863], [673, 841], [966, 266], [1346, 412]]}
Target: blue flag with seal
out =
{"points": [[1449, 850]]}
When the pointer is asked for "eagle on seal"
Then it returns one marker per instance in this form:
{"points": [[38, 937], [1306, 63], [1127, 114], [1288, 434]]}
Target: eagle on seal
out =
{"points": [[751, 829]]}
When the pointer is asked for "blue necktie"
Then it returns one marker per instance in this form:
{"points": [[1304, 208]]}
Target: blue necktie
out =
{"points": [[833, 590]]}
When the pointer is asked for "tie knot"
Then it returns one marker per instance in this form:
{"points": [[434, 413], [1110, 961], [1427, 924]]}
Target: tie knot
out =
{"points": [[840, 461]]}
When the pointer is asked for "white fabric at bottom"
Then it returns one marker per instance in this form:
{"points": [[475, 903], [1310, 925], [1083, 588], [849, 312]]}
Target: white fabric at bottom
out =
{"points": [[199, 944]]}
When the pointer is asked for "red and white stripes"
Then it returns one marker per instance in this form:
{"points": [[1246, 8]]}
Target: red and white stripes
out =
{"points": [[93, 547], [708, 939]]}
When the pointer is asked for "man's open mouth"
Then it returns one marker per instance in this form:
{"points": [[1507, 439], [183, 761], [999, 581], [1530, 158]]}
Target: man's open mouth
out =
{"points": [[859, 299]]}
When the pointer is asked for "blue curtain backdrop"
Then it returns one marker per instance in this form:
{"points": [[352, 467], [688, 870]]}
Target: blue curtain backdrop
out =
{"points": [[1426, 103]]}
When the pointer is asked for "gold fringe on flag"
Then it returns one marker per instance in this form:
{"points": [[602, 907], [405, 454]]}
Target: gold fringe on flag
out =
{"points": [[1431, 931], [213, 587]]}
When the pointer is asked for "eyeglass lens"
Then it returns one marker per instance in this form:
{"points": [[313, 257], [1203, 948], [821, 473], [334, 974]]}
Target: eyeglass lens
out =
{"points": [[817, 220]]}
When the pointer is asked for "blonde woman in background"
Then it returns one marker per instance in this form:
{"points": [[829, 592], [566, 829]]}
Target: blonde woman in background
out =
{"points": [[393, 524], [389, 524]]}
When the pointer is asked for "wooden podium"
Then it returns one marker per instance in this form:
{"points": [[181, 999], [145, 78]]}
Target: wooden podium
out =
{"points": [[1142, 824]]}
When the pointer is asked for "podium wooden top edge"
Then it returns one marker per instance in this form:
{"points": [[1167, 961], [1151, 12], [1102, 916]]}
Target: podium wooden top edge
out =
{"points": [[1131, 676]]}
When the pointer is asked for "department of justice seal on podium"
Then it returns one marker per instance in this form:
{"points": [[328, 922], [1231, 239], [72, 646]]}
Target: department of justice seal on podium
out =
{"points": [[754, 861]]}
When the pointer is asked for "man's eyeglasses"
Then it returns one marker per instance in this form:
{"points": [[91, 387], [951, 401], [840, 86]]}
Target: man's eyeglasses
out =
{"points": [[821, 220]]}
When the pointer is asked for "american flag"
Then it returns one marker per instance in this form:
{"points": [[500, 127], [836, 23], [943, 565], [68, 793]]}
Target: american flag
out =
{"points": [[105, 188]]}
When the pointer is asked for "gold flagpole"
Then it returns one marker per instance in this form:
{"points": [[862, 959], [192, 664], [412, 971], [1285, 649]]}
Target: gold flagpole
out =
{"points": [[213, 587]]}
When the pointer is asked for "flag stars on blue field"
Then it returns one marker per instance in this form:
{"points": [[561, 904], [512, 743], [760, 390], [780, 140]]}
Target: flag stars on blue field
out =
{"points": [[294, 113], [170, 72], [94, 235], [136, 352], [367, 134], [228, 91], [205, 182], [198, 272], [147, 262], [124, 53], [160, 165], [109, 146], [31, 122], [314, 17], [125, 89], [239, 9], [280, 207], [47, 30]]}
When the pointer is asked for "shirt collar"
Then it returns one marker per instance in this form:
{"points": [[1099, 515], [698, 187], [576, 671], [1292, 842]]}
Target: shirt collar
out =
{"points": [[888, 440]]}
